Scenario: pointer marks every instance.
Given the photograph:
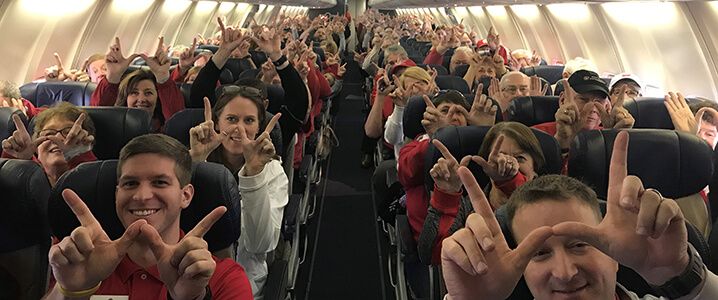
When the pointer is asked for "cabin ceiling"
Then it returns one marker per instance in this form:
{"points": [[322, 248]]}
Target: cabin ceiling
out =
{"points": [[393, 4], [305, 3]]}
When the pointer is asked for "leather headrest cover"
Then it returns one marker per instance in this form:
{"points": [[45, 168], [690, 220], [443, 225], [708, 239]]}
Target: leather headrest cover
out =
{"points": [[649, 113], [7, 126], [50, 92], [115, 127], [413, 114], [25, 190], [675, 163], [450, 82], [532, 111], [181, 122], [213, 184], [551, 73]]}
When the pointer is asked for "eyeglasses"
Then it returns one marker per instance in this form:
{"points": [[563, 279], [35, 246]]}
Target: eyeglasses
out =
{"points": [[50, 132], [241, 90], [514, 89], [629, 92]]}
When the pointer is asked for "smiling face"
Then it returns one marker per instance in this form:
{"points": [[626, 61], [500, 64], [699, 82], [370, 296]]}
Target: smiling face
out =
{"points": [[143, 96], [594, 119], [240, 111], [148, 188], [564, 268], [97, 70], [49, 152]]}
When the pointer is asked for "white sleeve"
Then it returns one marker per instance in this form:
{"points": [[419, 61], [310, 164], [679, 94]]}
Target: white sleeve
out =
{"points": [[263, 199], [393, 129]]}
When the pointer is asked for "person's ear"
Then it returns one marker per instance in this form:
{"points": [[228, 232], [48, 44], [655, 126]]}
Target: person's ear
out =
{"points": [[565, 75], [187, 194]]}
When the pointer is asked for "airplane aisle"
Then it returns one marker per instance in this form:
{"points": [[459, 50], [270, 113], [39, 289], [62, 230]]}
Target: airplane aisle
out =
{"points": [[343, 259]]}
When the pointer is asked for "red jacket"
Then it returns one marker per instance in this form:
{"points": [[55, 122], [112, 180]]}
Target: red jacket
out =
{"points": [[411, 176], [31, 110]]}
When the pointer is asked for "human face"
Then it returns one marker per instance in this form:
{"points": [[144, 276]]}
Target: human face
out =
{"points": [[486, 71], [48, 152], [594, 119], [708, 132], [526, 162], [459, 58], [393, 59], [148, 188], [242, 112], [143, 96], [516, 85], [633, 91], [97, 70], [449, 110], [565, 268]]}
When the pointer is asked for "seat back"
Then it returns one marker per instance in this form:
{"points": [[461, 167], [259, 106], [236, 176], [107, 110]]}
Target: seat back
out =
{"points": [[114, 127], [649, 113], [450, 82], [251, 73], [413, 114], [531, 111], [50, 92], [551, 73], [258, 57], [459, 70], [7, 126], [24, 231], [213, 185], [179, 124], [275, 95], [467, 140], [186, 89], [226, 76], [212, 48]]}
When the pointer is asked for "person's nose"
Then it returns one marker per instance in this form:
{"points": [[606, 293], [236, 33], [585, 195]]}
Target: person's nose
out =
{"points": [[564, 267], [143, 192]]}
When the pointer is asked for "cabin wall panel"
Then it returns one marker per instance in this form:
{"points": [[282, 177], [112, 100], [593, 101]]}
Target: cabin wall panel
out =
{"points": [[506, 28], [537, 32], [165, 22], [705, 15]]}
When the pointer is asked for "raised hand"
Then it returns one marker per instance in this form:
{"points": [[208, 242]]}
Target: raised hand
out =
{"points": [[476, 260], [537, 88], [483, 111], [499, 167], [203, 139], [433, 118], [20, 145], [57, 72], [333, 59], [16, 103], [185, 267], [86, 257], [160, 62], [230, 39], [116, 63], [359, 57], [569, 119], [270, 42], [76, 142], [188, 57], [342, 70], [681, 114], [618, 117], [444, 172], [258, 152], [641, 229]]}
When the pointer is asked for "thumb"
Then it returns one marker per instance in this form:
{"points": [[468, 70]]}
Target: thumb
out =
{"points": [[154, 240], [465, 161], [581, 231], [530, 245], [481, 162], [128, 238]]}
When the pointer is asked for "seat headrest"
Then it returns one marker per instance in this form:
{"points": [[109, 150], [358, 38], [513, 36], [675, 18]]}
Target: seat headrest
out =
{"points": [[212, 48], [50, 92], [258, 57], [213, 186], [558, 89], [186, 89], [440, 70], [181, 122], [551, 73], [413, 114], [450, 82], [461, 70], [275, 95], [235, 66], [251, 73], [7, 126], [649, 113], [531, 111], [115, 127], [226, 76], [467, 140], [23, 218], [675, 163]]}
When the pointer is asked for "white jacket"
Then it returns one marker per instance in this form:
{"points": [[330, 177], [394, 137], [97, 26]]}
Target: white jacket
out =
{"points": [[263, 199], [394, 130]]}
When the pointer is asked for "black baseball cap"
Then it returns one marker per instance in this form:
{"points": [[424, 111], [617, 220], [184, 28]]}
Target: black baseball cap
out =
{"points": [[584, 81]]}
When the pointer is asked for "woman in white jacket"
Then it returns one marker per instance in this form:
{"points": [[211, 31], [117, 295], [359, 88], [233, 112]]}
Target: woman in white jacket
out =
{"points": [[232, 135]]}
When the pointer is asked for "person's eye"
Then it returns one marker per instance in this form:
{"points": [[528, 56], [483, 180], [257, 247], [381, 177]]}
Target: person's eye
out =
{"points": [[231, 119], [249, 120], [160, 183], [148, 94], [521, 158], [579, 246], [541, 255], [128, 184], [134, 93]]}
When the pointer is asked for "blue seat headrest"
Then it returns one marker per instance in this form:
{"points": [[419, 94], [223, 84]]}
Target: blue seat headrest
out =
{"points": [[460, 70], [7, 126], [450, 82], [181, 122], [551, 73], [675, 163], [25, 191], [531, 111], [213, 185], [212, 48], [115, 127], [649, 113], [50, 92]]}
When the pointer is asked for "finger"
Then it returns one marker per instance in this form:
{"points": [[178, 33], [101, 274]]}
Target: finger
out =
{"points": [[465, 161], [621, 96], [76, 127], [272, 123], [80, 209], [618, 168], [630, 191], [496, 149], [56, 258], [452, 253], [207, 110], [526, 250], [200, 269], [582, 232], [650, 201], [19, 125], [206, 223], [58, 61], [668, 213], [194, 46], [444, 151], [129, 236], [466, 239], [69, 250], [478, 227], [478, 200], [428, 102], [118, 46], [153, 238], [191, 257]]}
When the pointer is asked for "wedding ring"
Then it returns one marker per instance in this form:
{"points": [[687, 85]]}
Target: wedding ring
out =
{"points": [[655, 191]]}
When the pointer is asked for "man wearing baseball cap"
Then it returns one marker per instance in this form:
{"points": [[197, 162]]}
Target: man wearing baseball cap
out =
{"points": [[633, 86], [584, 105]]}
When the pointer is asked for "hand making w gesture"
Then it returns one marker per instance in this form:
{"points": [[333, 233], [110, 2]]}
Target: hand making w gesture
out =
{"points": [[258, 151], [116, 62], [160, 62], [444, 172], [203, 138]]}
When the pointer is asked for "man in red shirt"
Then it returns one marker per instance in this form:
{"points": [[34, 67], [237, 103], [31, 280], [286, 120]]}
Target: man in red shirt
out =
{"points": [[153, 259]]}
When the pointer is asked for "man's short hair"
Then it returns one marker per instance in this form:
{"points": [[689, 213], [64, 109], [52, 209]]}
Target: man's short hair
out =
{"points": [[161, 145], [504, 79], [395, 49], [551, 187]]}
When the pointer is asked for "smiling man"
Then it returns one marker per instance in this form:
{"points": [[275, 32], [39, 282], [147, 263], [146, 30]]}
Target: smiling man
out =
{"points": [[154, 258], [566, 250]]}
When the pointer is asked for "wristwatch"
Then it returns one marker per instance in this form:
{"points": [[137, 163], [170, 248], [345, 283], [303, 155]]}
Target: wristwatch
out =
{"points": [[280, 61], [686, 282]]}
